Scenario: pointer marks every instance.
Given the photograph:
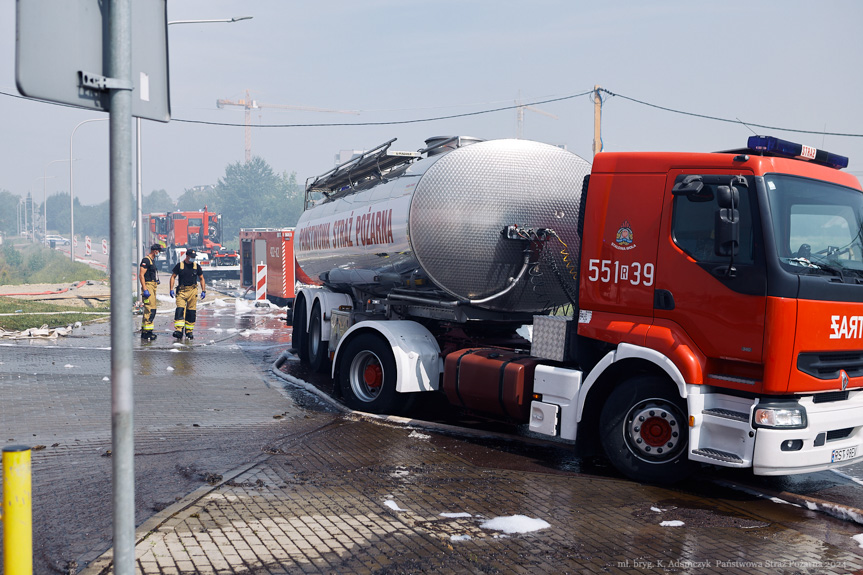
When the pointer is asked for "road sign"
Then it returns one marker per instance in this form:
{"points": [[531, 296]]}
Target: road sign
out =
{"points": [[61, 49], [104, 246], [87, 250]]}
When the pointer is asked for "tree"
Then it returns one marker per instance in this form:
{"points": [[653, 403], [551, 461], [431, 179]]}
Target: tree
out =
{"points": [[294, 203], [252, 195], [157, 201], [8, 213], [58, 213], [93, 221], [196, 198]]}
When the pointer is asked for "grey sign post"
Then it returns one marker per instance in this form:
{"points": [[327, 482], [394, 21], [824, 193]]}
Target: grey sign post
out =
{"points": [[81, 53]]}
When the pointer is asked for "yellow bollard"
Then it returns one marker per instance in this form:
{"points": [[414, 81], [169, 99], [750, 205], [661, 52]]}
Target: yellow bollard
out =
{"points": [[17, 511]]}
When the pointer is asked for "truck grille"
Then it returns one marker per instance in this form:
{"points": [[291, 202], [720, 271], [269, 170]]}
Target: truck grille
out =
{"points": [[826, 365], [830, 396]]}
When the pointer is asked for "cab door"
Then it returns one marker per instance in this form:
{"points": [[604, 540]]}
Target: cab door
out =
{"points": [[717, 300], [618, 257]]}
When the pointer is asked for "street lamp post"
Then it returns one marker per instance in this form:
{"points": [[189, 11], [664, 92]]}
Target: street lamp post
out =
{"points": [[71, 194], [33, 207], [22, 211]]}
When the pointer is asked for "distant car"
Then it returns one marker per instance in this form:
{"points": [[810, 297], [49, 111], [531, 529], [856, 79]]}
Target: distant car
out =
{"points": [[58, 240]]}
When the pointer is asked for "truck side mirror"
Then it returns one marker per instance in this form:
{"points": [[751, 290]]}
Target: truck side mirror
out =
{"points": [[727, 222], [728, 197]]}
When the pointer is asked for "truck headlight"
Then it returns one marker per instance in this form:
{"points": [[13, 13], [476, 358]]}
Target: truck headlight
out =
{"points": [[783, 416]]}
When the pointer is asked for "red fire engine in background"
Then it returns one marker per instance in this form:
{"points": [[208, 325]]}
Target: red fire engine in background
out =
{"points": [[200, 230], [273, 247]]}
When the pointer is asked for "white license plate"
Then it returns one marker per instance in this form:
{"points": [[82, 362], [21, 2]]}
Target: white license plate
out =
{"points": [[843, 454]]}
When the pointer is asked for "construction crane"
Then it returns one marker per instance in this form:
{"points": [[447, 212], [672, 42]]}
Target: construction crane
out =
{"points": [[248, 104], [520, 108]]}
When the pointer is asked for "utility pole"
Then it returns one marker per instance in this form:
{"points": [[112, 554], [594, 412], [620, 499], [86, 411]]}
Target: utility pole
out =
{"points": [[597, 120]]}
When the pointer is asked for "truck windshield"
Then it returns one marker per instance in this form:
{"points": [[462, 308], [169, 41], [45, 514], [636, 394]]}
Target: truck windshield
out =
{"points": [[817, 225]]}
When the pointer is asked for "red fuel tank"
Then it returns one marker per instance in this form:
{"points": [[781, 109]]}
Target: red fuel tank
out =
{"points": [[493, 381]]}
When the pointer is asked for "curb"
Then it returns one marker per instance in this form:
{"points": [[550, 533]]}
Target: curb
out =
{"points": [[102, 564]]}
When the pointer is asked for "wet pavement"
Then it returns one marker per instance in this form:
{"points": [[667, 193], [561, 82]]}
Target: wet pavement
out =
{"points": [[240, 471]]}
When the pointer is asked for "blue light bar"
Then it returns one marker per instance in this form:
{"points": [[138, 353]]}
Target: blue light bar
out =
{"points": [[788, 149]]}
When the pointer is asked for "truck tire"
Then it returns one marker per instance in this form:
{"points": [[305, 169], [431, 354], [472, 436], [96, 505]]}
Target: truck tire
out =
{"points": [[298, 331], [318, 351], [367, 377], [644, 431]]}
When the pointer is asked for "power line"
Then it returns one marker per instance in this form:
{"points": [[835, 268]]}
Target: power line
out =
{"points": [[392, 122], [337, 124], [735, 121], [487, 111]]}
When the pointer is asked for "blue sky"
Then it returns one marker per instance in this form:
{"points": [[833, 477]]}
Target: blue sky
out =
{"points": [[781, 63]]}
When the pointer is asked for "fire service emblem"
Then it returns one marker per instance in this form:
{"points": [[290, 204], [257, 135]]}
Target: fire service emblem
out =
{"points": [[624, 240]]}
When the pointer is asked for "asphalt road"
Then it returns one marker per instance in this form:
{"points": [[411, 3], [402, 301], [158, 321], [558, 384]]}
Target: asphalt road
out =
{"points": [[201, 409]]}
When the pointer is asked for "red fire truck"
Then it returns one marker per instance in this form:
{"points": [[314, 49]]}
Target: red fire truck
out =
{"points": [[273, 247], [202, 231], [713, 302]]}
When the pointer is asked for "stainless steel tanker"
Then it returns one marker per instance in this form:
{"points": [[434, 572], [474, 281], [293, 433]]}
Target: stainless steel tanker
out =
{"points": [[435, 221]]}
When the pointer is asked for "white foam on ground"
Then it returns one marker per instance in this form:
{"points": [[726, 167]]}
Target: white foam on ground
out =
{"points": [[459, 537], [393, 505], [515, 524]]}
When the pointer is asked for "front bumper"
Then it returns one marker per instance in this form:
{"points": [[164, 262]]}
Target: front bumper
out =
{"points": [[832, 428]]}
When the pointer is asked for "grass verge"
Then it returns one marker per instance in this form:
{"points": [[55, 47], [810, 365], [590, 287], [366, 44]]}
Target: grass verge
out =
{"points": [[26, 314]]}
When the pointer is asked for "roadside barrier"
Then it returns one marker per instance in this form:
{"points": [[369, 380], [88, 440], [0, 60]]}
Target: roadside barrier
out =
{"points": [[261, 283], [17, 512]]}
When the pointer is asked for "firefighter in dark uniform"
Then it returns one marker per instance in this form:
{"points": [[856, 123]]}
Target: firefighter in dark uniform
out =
{"points": [[188, 273], [149, 281]]}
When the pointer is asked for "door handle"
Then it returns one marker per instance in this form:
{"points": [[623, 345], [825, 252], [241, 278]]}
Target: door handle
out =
{"points": [[663, 299]]}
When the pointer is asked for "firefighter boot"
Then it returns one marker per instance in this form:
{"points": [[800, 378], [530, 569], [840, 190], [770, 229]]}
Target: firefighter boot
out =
{"points": [[189, 334], [178, 334]]}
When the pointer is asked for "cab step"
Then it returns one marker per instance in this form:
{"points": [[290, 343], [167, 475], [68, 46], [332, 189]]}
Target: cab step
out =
{"points": [[717, 455], [727, 414]]}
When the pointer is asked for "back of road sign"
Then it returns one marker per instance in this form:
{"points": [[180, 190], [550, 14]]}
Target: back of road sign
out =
{"points": [[59, 42]]}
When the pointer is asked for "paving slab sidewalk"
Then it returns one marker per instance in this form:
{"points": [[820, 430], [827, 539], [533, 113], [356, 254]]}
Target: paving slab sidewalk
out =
{"points": [[363, 496]]}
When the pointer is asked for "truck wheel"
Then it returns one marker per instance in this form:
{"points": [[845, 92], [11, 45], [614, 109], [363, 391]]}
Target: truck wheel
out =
{"points": [[644, 431], [298, 331], [318, 352], [368, 375]]}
